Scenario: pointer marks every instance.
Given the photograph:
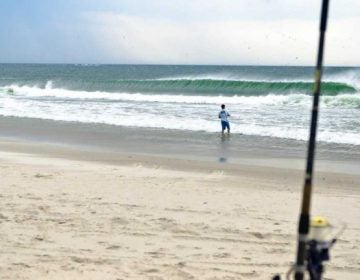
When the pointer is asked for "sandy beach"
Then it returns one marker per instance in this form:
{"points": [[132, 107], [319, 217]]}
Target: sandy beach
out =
{"points": [[122, 211]]}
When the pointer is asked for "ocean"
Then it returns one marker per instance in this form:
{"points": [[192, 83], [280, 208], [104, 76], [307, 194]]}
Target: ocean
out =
{"points": [[262, 100]]}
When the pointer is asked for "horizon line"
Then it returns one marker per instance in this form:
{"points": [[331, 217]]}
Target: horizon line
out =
{"points": [[174, 64]]}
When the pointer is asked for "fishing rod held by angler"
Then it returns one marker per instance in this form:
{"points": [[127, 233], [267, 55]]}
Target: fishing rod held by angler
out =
{"points": [[303, 230]]}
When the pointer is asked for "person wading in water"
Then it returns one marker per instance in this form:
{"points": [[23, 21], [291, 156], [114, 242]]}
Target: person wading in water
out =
{"points": [[223, 115]]}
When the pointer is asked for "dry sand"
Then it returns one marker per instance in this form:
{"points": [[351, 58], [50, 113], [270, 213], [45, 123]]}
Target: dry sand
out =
{"points": [[161, 218]]}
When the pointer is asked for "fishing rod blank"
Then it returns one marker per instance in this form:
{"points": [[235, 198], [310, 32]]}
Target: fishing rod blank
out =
{"points": [[303, 229]]}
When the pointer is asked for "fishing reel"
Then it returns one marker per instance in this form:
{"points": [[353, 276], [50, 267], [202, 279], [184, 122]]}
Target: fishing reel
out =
{"points": [[317, 248]]}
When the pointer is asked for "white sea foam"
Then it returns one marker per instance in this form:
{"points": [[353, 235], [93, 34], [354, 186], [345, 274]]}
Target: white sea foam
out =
{"points": [[49, 92], [284, 116], [341, 100], [231, 78], [111, 115], [349, 77]]}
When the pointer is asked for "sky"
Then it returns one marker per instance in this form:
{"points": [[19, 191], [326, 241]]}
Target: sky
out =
{"points": [[217, 32]]}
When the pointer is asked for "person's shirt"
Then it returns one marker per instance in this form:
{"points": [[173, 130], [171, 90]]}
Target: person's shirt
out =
{"points": [[223, 115]]}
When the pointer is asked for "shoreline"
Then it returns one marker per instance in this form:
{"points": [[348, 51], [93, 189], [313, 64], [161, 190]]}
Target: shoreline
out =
{"points": [[176, 143], [98, 202]]}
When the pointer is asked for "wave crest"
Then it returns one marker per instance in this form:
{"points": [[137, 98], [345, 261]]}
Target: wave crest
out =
{"points": [[49, 93], [245, 87]]}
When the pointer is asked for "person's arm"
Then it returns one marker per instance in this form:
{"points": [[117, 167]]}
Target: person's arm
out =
{"points": [[228, 114], [219, 115]]}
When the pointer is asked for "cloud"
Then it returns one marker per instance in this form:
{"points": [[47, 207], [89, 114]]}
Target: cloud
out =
{"points": [[266, 32], [127, 39], [343, 42]]}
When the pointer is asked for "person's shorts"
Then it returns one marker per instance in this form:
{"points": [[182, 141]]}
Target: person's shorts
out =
{"points": [[225, 125]]}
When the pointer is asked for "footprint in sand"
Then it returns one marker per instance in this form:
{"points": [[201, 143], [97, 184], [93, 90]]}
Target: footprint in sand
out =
{"points": [[44, 208], [22, 264], [43, 176], [252, 273], [119, 221], [222, 255], [258, 235], [151, 270], [3, 217], [113, 247], [39, 238]]}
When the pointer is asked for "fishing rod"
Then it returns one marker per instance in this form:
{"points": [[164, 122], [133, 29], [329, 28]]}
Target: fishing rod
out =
{"points": [[303, 229]]}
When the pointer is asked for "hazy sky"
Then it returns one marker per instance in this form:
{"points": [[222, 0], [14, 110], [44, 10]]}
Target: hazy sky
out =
{"points": [[240, 32]]}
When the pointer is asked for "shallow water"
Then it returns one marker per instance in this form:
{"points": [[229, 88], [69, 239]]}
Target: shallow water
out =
{"points": [[263, 101]]}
